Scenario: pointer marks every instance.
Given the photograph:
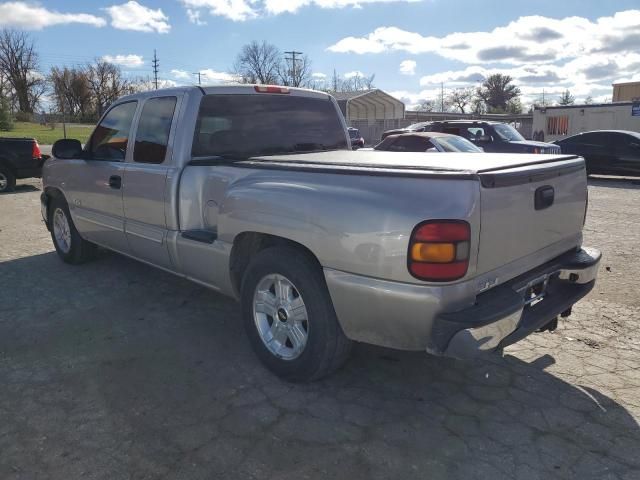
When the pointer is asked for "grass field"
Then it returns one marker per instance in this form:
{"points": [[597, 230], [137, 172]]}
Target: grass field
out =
{"points": [[44, 135]]}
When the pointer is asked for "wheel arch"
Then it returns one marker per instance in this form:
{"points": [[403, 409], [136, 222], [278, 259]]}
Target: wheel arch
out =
{"points": [[248, 244]]}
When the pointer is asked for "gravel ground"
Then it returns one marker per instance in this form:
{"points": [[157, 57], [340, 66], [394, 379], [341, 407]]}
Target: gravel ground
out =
{"points": [[115, 370]]}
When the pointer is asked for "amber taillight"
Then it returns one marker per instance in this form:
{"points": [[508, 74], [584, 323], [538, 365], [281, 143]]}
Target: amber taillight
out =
{"points": [[439, 250]]}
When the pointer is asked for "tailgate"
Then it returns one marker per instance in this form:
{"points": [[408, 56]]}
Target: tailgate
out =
{"points": [[514, 225]]}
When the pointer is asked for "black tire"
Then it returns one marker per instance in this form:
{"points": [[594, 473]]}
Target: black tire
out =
{"points": [[9, 180], [80, 250], [327, 348]]}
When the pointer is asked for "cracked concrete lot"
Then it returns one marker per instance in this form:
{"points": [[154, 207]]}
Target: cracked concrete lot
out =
{"points": [[115, 370]]}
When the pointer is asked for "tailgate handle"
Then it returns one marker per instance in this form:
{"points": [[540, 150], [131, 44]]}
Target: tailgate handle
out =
{"points": [[544, 197]]}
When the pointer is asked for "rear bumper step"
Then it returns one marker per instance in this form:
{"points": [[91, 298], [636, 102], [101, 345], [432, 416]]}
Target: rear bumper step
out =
{"points": [[510, 312]]}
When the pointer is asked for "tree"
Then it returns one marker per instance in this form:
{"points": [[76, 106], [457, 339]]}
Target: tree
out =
{"points": [[426, 106], [460, 98], [357, 82], [106, 83], [71, 91], [336, 81], [566, 98], [6, 120], [19, 64], [588, 100], [496, 92], [298, 75], [514, 106], [258, 63]]}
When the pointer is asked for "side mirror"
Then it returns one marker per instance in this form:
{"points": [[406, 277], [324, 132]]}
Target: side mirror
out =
{"points": [[67, 149]]}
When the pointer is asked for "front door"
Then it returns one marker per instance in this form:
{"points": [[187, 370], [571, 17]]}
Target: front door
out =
{"points": [[145, 191], [94, 193]]}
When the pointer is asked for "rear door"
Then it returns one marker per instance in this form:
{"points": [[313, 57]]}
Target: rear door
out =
{"points": [[626, 148], [94, 191], [145, 189], [534, 211]]}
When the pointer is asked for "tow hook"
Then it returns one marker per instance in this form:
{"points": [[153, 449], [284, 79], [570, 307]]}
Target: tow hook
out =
{"points": [[551, 326]]}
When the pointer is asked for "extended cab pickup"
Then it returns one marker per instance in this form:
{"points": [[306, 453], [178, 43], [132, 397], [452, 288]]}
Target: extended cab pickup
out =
{"points": [[19, 158], [255, 193]]}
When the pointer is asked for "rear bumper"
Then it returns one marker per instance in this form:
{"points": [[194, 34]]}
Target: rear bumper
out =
{"points": [[422, 317], [503, 315]]}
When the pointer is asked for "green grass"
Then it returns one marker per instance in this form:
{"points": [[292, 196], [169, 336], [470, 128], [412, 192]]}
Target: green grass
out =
{"points": [[44, 135]]}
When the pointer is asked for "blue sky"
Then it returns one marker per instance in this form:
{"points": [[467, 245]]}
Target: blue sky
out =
{"points": [[411, 45]]}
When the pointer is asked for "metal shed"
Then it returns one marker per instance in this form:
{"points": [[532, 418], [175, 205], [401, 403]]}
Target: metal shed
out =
{"points": [[369, 105]]}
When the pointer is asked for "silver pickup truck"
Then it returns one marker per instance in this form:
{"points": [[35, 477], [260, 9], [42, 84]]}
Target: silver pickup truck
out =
{"points": [[254, 191]]}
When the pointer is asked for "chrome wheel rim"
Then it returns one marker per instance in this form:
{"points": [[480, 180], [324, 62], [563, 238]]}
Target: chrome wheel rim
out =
{"points": [[61, 230], [4, 181], [280, 316]]}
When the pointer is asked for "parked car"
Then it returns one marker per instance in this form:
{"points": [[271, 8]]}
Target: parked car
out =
{"points": [[426, 142], [356, 139], [606, 151], [19, 158], [415, 127], [254, 192], [492, 136]]}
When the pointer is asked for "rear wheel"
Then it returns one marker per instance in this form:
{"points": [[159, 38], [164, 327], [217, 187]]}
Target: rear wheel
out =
{"points": [[7, 180], [71, 247], [289, 317]]}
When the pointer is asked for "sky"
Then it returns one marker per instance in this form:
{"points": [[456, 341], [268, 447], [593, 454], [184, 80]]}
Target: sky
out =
{"points": [[412, 46]]}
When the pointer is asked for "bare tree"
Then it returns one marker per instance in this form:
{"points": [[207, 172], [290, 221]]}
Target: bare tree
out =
{"points": [[460, 98], [588, 100], [358, 82], [336, 81], [426, 106], [71, 90], [19, 64], [298, 75], [258, 63], [106, 83]]}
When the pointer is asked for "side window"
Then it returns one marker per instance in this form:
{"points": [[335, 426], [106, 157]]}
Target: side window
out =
{"points": [[473, 133], [451, 130], [152, 135], [110, 138]]}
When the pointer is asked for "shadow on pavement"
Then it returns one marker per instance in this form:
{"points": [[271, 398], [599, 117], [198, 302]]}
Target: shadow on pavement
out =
{"points": [[116, 370], [614, 182], [22, 189]]}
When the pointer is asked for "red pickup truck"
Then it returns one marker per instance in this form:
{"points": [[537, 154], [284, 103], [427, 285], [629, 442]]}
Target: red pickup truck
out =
{"points": [[19, 158]]}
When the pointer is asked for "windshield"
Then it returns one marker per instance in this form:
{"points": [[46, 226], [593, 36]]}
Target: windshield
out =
{"points": [[355, 133], [508, 133], [242, 126], [455, 144]]}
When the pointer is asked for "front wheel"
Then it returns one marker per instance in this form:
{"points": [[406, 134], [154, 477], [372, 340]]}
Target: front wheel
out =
{"points": [[71, 247], [289, 317]]}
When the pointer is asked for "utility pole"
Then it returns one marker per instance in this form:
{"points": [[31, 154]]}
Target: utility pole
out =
{"points": [[293, 54], [155, 68], [442, 97], [199, 75]]}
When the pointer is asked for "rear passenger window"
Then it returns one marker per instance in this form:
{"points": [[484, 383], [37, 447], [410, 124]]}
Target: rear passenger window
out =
{"points": [[411, 144], [154, 126]]}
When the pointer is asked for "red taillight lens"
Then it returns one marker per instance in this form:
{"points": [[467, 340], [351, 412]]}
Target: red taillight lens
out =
{"points": [[271, 89], [439, 250], [35, 150]]}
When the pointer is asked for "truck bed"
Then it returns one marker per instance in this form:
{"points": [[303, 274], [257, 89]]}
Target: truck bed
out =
{"points": [[452, 164]]}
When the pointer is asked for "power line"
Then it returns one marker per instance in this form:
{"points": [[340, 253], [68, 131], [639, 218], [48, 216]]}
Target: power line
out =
{"points": [[155, 68]]}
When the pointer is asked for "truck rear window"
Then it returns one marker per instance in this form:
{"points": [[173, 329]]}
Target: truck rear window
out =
{"points": [[242, 126]]}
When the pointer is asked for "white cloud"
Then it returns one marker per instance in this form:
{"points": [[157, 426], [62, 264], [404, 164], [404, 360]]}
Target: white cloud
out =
{"points": [[134, 16], [532, 39], [319, 75], [30, 16], [207, 76], [408, 67], [194, 17], [355, 73], [181, 74], [131, 60], [241, 10]]}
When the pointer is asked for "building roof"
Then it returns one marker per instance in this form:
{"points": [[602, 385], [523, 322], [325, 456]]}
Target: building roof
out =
{"points": [[589, 105], [350, 95]]}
